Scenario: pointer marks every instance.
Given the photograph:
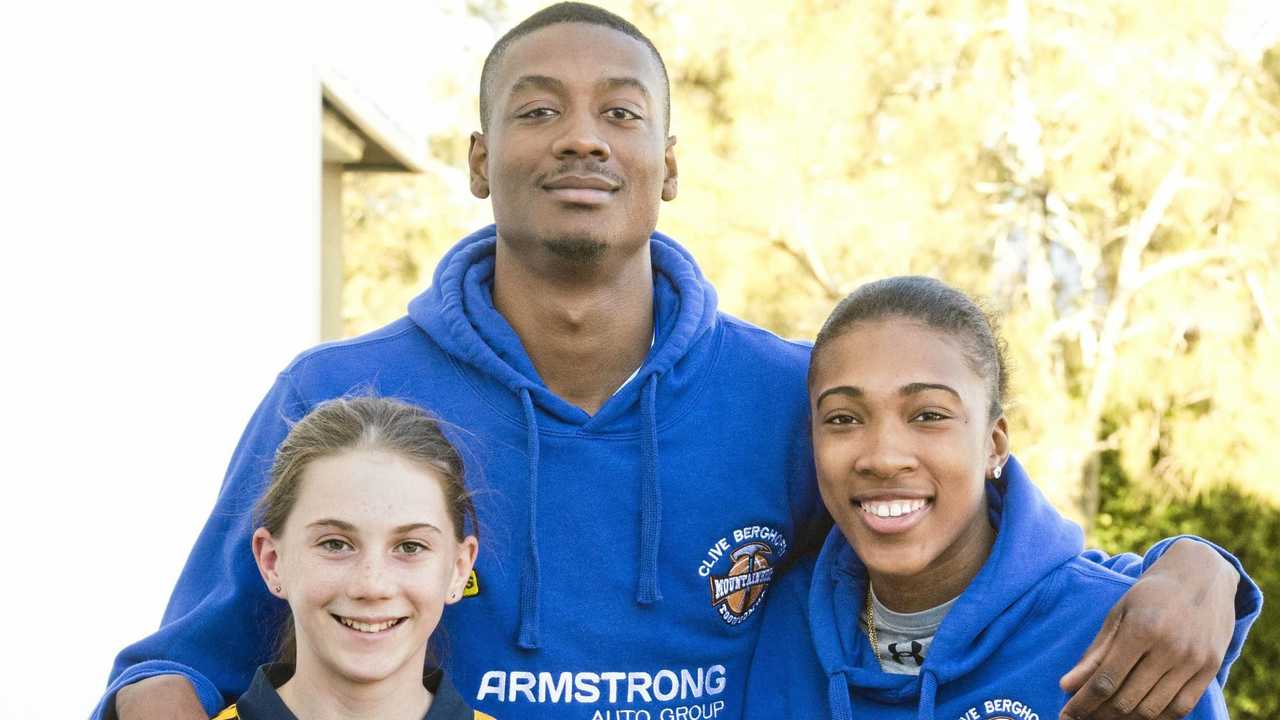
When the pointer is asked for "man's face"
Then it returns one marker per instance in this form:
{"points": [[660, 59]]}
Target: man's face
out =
{"points": [[576, 157]]}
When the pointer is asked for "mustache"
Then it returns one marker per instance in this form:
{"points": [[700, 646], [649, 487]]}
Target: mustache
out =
{"points": [[582, 167]]}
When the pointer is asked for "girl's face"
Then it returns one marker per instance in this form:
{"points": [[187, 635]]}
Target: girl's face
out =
{"points": [[903, 445], [367, 561]]}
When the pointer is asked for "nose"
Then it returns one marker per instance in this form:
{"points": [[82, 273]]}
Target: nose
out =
{"points": [[581, 138], [369, 579], [886, 451]]}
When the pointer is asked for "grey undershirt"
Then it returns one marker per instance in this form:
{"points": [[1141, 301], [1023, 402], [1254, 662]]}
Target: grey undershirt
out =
{"points": [[904, 638]]}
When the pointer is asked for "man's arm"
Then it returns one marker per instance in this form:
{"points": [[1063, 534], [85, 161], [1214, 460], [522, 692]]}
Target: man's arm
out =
{"points": [[160, 697], [1177, 630], [220, 623]]}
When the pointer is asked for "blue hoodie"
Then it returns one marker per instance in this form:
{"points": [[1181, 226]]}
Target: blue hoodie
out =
{"points": [[624, 554], [1021, 624]]}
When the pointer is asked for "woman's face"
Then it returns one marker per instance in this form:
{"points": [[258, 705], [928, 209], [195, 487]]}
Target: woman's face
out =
{"points": [[903, 445], [367, 561]]}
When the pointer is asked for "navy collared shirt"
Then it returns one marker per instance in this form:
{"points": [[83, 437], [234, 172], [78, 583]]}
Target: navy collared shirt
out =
{"points": [[262, 702]]}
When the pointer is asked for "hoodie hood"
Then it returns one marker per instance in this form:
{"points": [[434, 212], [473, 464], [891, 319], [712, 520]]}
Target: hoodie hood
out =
{"points": [[1032, 541], [457, 312]]}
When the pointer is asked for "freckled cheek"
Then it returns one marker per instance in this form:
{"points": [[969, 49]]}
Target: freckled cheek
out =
{"points": [[322, 585]]}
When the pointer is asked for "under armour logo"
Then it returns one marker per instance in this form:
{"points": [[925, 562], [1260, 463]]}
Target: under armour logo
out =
{"points": [[900, 655]]}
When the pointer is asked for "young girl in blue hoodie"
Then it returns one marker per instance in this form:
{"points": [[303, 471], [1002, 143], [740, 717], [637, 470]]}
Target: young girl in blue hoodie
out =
{"points": [[949, 587], [363, 535]]}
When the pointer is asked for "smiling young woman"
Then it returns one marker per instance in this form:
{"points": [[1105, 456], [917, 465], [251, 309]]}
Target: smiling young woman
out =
{"points": [[364, 534], [949, 587]]}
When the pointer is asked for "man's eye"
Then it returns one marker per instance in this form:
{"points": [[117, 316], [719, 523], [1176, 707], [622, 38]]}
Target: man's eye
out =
{"points": [[538, 113], [930, 416], [619, 113]]}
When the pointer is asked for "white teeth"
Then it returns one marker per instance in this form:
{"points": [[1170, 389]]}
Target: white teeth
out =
{"points": [[367, 627], [894, 508]]}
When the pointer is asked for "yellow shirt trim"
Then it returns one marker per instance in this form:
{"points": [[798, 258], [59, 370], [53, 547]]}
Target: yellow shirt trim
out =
{"points": [[229, 714]]}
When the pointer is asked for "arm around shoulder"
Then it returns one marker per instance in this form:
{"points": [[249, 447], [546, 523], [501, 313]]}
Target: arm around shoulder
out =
{"points": [[213, 634], [159, 697]]}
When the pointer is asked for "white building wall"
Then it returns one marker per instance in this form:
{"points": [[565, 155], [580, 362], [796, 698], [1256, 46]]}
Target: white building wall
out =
{"points": [[159, 264]]}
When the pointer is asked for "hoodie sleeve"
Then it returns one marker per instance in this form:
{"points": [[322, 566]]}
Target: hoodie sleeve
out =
{"points": [[220, 622], [1248, 595]]}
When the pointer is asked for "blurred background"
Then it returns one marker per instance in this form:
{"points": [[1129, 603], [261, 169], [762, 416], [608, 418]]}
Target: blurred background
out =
{"points": [[193, 194]]}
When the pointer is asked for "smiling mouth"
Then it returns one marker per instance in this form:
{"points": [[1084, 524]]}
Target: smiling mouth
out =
{"points": [[368, 628], [893, 508]]}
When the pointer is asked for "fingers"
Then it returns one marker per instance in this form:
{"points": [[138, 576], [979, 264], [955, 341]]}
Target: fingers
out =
{"points": [[1184, 698], [1092, 658], [1151, 685], [1107, 679], [1151, 689]]}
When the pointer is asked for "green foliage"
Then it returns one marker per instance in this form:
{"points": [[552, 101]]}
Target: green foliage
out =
{"points": [[1136, 517]]}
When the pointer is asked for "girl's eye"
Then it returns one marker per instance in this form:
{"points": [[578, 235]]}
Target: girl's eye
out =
{"points": [[619, 113], [412, 547], [334, 545], [842, 419]]}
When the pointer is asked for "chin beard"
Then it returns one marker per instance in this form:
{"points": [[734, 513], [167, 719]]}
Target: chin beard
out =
{"points": [[579, 250]]}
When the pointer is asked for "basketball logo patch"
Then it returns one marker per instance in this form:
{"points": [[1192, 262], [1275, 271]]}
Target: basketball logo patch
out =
{"points": [[739, 568]]}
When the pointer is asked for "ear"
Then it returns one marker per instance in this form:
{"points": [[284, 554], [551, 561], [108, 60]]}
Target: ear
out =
{"points": [[462, 564], [673, 173], [267, 555], [999, 449], [478, 160]]}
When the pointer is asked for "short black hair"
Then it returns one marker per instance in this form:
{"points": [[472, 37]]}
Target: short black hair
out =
{"points": [[934, 304], [566, 12]]}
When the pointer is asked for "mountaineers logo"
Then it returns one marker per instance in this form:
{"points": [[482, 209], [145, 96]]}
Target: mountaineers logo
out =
{"points": [[737, 593]]}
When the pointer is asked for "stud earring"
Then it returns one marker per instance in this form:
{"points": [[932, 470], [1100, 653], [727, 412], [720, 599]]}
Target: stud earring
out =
{"points": [[277, 588], [997, 472]]}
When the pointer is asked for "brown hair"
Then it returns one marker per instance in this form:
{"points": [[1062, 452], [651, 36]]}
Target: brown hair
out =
{"points": [[363, 423]]}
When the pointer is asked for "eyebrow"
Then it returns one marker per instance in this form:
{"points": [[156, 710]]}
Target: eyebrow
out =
{"points": [[905, 390], [550, 84], [615, 83], [348, 527], [846, 390], [542, 82]]}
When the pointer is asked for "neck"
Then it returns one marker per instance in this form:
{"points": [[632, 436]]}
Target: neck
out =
{"points": [[586, 325], [945, 578], [317, 693]]}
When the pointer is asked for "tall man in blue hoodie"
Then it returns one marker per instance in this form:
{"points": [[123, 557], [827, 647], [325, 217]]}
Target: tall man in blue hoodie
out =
{"points": [[642, 459]]}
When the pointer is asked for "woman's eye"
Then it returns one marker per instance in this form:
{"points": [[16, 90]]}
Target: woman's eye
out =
{"points": [[618, 113], [931, 416], [842, 419]]}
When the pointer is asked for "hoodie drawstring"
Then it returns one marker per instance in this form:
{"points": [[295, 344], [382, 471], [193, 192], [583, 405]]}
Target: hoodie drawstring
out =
{"points": [[647, 590], [928, 695], [838, 696], [530, 625]]}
